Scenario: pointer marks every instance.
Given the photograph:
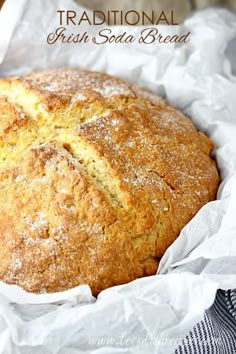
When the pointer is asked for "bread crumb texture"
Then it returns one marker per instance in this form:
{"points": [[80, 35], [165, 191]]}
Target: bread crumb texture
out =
{"points": [[97, 179]]}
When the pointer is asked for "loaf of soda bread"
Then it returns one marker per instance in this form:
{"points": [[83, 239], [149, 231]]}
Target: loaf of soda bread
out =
{"points": [[97, 179]]}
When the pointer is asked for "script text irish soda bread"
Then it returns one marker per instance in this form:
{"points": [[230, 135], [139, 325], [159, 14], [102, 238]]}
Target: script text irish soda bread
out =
{"points": [[97, 178]]}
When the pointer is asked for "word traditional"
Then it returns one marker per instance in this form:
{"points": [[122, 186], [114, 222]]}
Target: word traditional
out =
{"points": [[114, 17]]}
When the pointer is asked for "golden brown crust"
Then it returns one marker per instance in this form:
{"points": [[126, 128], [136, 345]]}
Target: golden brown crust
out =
{"points": [[97, 178]]}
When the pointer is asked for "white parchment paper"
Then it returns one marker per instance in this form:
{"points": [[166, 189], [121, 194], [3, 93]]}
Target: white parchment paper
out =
{"points": [[153, 314]]}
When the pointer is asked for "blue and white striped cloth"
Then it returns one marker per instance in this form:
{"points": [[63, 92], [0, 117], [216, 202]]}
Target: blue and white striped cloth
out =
{"points": [[216, 334]]}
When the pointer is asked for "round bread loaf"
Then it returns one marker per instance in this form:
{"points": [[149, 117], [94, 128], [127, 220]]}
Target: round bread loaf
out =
{"points": [[97, 179]]}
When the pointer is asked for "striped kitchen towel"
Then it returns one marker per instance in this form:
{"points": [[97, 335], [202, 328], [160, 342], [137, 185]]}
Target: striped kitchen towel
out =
{"points": [[216, 334]]}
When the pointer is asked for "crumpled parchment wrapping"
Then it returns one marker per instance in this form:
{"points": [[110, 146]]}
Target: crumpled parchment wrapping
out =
{"points": [[153, 314]]}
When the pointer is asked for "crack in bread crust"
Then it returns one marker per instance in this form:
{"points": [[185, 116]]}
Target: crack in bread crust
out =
{"points": [[97, 178]]}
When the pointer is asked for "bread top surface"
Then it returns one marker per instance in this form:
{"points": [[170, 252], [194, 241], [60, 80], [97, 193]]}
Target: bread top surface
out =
{"points": [[97, 179]]}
